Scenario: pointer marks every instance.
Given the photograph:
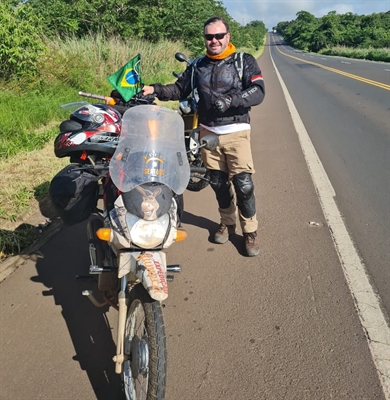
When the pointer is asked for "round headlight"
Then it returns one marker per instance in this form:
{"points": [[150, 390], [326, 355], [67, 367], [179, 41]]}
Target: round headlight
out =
{"points": [[147, 234]]}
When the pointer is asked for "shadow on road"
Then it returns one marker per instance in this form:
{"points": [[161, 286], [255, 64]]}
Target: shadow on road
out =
{"points": [[212, 227], [65, 257]]}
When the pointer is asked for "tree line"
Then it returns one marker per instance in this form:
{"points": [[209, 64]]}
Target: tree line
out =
{"points": [[24, 25], [309, 33]]}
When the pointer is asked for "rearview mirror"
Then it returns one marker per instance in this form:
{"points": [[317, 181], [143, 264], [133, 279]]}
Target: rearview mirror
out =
{"points": [[181, 57]]}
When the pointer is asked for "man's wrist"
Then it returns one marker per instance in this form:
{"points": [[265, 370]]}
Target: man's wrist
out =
{"points": [[236, 100]]}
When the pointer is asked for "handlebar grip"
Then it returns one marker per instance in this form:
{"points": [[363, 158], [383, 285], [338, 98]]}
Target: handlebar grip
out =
{"points": [[198, 170]]}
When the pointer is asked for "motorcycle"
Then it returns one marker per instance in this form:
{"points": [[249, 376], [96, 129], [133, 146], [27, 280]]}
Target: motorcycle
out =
{"points": [[200, 176], [188, 109], [136, 164]]}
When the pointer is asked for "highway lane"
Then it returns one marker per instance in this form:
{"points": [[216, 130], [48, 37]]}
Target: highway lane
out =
{"points": [[348, 121], [362, 69]]}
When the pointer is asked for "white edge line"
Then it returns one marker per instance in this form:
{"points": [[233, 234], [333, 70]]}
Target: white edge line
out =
{"points": [[367, 303]]}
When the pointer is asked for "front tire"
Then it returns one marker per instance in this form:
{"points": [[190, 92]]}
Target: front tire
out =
{"points": [[144, 373]]}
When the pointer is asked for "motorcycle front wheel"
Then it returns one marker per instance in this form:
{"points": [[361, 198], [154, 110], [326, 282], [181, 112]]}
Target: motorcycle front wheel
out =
{"points": [[144, 373]]}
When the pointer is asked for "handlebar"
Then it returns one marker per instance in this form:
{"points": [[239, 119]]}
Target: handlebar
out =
{"points": [[115, 98], [102, 170], [108, 100], [116, 101]]}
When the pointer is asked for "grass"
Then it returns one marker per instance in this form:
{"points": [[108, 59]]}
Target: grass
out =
{"points": [[357, 53], [71, 66], [25, 183], [13, 242], [24, 178]]}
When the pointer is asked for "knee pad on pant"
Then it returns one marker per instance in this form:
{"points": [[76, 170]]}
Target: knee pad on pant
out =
{"points": [[244, 188], [219, 181]]}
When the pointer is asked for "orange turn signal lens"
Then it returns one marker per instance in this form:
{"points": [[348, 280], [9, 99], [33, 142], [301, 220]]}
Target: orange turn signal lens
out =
{"points": [[181, 234], [110, 101], [104, 234]]}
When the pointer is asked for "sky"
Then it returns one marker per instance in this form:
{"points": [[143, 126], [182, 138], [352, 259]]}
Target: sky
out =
{"points": [[273, 11]]}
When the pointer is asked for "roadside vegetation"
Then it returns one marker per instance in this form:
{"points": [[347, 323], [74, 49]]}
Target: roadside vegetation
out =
{"points": [[358, 53], [348, 35]]}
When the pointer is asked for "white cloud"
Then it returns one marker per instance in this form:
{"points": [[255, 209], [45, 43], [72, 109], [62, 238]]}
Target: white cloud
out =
{"points": [[273, 11]]}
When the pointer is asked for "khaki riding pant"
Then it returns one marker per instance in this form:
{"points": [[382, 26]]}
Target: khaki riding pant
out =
{"points": [[232, 156]]}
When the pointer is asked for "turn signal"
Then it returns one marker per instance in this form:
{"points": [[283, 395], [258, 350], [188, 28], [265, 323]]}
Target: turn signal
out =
{"points": [[110, 101], [104, 234], [181, 234]]}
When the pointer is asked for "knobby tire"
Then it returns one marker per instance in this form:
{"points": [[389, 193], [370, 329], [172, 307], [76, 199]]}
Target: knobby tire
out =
{"points": [[155, 330]]}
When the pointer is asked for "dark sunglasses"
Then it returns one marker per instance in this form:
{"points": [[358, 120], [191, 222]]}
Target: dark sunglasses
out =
{"points": [[218, 36]]}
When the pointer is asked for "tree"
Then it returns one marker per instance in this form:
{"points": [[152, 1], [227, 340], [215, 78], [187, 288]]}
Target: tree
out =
{"points": [[299, 31], [21, 41], [151, 20], [309, 33]]}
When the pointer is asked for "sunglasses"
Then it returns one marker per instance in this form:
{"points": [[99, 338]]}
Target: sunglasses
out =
{"points": [[218, 36]]}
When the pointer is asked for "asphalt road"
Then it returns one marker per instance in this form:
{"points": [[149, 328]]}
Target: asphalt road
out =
{"points": [[345, 106], [282, 325]]}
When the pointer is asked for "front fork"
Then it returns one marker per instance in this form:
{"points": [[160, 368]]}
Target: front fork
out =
{"points": [[123, 303], [120, 357]]}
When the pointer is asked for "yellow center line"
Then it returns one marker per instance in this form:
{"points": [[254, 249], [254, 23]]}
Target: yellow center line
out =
{"points": [[336, 71]]}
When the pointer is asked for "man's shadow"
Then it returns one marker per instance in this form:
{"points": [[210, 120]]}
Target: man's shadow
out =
{"points": [[65, 257], [212, 227]]}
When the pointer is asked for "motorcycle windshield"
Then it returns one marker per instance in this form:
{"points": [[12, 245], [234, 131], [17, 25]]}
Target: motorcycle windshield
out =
{"points": [[151, 148]]}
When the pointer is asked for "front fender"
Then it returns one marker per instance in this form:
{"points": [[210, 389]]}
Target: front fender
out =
{"points": [[150, 268]]}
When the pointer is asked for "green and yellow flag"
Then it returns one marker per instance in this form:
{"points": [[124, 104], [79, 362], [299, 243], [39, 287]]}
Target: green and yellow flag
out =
{"points": [[127, 80]]}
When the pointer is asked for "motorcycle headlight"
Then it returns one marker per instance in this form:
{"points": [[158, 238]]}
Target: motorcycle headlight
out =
{"points": [[147, 234]]}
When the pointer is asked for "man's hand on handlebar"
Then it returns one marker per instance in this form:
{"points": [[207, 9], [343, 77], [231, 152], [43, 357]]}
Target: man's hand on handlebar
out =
{"points": [[139, 99], [146, 98], [147, 90]]}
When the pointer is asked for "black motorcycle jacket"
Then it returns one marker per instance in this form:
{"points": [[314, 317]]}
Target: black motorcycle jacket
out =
{"points": [[215, 78]]}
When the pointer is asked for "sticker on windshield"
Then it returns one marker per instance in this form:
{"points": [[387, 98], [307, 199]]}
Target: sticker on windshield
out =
{"points": [[154, 165]]}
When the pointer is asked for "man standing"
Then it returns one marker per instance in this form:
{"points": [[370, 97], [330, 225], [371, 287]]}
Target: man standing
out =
{"points": [[228, 85]]}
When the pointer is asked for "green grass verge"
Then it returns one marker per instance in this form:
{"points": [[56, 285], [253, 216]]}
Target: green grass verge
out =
{"points": [[382, 55]]}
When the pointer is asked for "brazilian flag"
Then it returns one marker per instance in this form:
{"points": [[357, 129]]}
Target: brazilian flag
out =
{"points": [[127, 80]]}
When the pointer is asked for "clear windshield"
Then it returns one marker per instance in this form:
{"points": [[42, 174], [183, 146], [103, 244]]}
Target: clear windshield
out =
{"points": [[151, 148]]}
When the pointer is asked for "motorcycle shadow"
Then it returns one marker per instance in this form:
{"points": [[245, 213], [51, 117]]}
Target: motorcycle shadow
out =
{"points": [[212, 227], [65, 257]]}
